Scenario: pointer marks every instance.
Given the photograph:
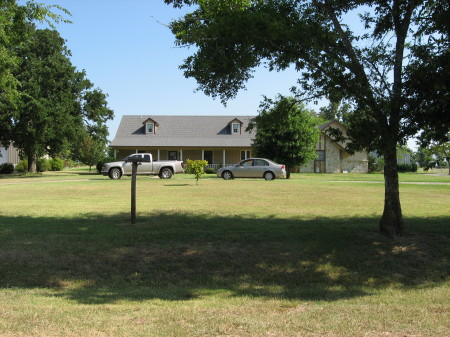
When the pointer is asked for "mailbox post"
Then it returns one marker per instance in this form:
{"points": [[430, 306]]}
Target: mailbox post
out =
{"points": [[135, 161], [133, 191]]}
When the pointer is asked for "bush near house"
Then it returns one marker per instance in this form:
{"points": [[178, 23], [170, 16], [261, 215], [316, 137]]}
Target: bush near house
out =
{"points": [[56, 164], [407, 167], [42, 165], [196, 167], [210, 170], [376, 164], [6, 168]]}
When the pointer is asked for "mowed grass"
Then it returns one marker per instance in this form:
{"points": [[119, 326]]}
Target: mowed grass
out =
{"points": [[224, 258]]}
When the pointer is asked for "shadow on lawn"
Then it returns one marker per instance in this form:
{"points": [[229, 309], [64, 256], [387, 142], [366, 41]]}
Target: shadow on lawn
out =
{"points": [[101, 259]]}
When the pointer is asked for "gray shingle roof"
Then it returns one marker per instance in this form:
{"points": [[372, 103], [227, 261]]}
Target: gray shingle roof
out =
{"points": [[182, 131]]}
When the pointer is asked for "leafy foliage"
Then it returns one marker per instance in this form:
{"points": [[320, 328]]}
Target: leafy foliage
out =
{"points": [[196, 167], [15, 25], [57, 103], [6, 168], [90, 151], [56, 164], [395, 74], [286, 132]]}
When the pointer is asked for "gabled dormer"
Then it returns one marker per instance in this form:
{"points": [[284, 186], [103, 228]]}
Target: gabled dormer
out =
{"points": [[150, 126], [235, 126]]}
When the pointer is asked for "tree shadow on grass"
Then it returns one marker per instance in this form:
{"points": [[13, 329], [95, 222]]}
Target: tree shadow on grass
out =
{"points": [[101, 259]]}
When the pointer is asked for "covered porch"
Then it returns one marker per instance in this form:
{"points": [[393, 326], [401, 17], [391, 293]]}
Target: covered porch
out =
{"points": [[216, 157]]}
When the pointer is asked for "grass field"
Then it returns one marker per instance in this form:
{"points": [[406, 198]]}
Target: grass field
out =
{"points": [[224, 258]]}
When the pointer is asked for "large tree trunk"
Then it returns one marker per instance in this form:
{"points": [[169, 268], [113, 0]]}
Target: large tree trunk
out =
{"points": [[288, 171], [392, 220], [32, 163]]}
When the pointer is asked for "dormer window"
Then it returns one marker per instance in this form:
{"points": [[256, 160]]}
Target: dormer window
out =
{"points": [[235, 128], [149, 127]]}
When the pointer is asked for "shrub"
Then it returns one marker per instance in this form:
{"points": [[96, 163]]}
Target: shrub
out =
{"points": [[196, 167], [407, 167], [56, 164], [102, 161], [376, 164], [42, 165], [210, 170], [22, 166], [69, 163], [6, 168]]}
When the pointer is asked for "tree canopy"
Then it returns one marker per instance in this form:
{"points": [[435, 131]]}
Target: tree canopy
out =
{"points": [[57, 104], [394, 71], [15, 23], [286, 132]]}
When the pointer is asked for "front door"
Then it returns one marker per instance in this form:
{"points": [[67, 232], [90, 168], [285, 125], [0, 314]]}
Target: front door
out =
{"points": [[208, 156]]}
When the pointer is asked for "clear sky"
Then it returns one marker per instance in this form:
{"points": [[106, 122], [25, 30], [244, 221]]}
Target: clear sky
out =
{"points": [[130, 54]]}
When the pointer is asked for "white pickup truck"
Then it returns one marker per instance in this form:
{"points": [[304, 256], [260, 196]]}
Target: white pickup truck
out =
{"points": [[164, 169]]}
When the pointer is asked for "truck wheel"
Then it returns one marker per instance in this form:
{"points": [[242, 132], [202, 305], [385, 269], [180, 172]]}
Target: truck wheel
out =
{"points": [[227, 175], [165, 173], [115, 173]]}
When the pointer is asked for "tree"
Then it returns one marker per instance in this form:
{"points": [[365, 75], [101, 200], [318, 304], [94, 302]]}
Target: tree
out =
{"points": [[15, 23], [377, 71], [196, 167], [286, 132], [434, 153], [339, 111], [57, 103], [90, 150]]}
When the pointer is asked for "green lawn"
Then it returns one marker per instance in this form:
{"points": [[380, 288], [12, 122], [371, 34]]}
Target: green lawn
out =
{"points": [[224, 258]]}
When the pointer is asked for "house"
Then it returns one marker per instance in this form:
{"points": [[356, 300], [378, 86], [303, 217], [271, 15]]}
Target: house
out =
{"points": [[332, 156], [221, 140], [9, 155]]}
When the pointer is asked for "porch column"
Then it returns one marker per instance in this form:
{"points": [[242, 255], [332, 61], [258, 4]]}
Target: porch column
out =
{"points": [[159, 155], [223, 159], [115, 153], [181, 154], [203, 154]]}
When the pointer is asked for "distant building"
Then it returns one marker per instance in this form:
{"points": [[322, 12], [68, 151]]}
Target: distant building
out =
{"points": [[9, 155], [221, 140]]}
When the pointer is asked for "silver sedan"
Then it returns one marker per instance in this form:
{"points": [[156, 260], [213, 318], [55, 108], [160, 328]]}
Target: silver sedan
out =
{"points": [[253, 168]]}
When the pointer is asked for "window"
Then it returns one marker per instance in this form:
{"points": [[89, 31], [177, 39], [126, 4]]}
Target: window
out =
{"points": [[173, 155], [149, 127], [320, 155], [247, 163], [245, 154], [260, 162], [235, 128]]}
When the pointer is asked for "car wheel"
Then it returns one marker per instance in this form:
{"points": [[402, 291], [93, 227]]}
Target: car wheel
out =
{"points": [[165, 173], [227, 175], [115, 173], [269, 176]]}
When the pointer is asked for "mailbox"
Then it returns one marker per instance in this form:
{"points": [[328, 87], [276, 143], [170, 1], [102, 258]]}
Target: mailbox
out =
{"points": [[138, 159]]}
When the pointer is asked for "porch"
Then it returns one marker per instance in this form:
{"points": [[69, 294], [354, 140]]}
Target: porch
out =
{"points": [[216, 157]]}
